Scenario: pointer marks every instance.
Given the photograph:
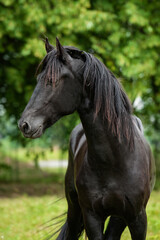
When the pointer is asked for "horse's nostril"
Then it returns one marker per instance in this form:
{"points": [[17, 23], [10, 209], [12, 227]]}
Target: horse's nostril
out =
{"points": [[26, 127]]}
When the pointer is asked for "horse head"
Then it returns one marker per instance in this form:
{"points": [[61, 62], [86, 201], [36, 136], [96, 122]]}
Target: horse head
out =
{"points": [[58, 90]]}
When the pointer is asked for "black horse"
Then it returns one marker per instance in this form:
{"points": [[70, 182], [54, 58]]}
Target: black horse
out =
{"points": [[110, 170]]}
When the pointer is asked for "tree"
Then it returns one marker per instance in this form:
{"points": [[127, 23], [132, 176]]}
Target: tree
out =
{"points": [[125, 35]]}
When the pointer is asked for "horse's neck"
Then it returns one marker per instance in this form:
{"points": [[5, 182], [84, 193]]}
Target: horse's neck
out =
{"points": [[102, 145]]}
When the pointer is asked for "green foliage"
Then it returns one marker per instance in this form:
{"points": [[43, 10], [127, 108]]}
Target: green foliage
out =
{"points": [[125, 35]]}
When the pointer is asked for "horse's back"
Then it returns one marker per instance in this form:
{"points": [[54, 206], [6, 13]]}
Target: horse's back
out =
{"points": [[152, 167], [138, 123], [76, 136], [78, 147]]}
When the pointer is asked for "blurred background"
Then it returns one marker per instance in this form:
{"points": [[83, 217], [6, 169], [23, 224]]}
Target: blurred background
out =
{"points": [[125, 35]]}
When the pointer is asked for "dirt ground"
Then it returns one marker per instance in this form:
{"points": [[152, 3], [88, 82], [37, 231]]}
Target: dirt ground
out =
{"points": [[12, 190], [28, 180]]}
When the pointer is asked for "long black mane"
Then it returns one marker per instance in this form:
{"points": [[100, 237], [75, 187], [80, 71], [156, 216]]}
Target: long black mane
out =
{"points": [[109, 99]]}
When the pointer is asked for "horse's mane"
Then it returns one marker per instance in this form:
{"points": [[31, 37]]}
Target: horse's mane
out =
{"points": [[109, 98], [106, 92]]}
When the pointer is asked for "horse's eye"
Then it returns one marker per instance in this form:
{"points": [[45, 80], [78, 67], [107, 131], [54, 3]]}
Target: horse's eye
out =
{"points": [[49, 81]]}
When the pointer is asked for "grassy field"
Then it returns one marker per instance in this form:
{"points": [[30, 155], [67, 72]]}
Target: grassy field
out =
{"points": [[23, 217], [29, 200]]}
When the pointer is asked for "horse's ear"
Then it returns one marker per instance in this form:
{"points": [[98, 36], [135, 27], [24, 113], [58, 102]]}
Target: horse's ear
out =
{"points": [[48, 46], [61, 52]]}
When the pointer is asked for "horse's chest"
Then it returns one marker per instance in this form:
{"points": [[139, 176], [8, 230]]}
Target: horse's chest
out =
{"points": [[87, 185], [98, 195]]}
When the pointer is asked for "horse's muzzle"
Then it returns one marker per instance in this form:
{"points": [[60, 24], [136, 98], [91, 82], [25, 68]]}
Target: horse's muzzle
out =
{"points": [[27, 130]]}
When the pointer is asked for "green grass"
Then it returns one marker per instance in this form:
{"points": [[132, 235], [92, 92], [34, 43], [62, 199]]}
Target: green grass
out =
{"points": [[22, 217]]}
